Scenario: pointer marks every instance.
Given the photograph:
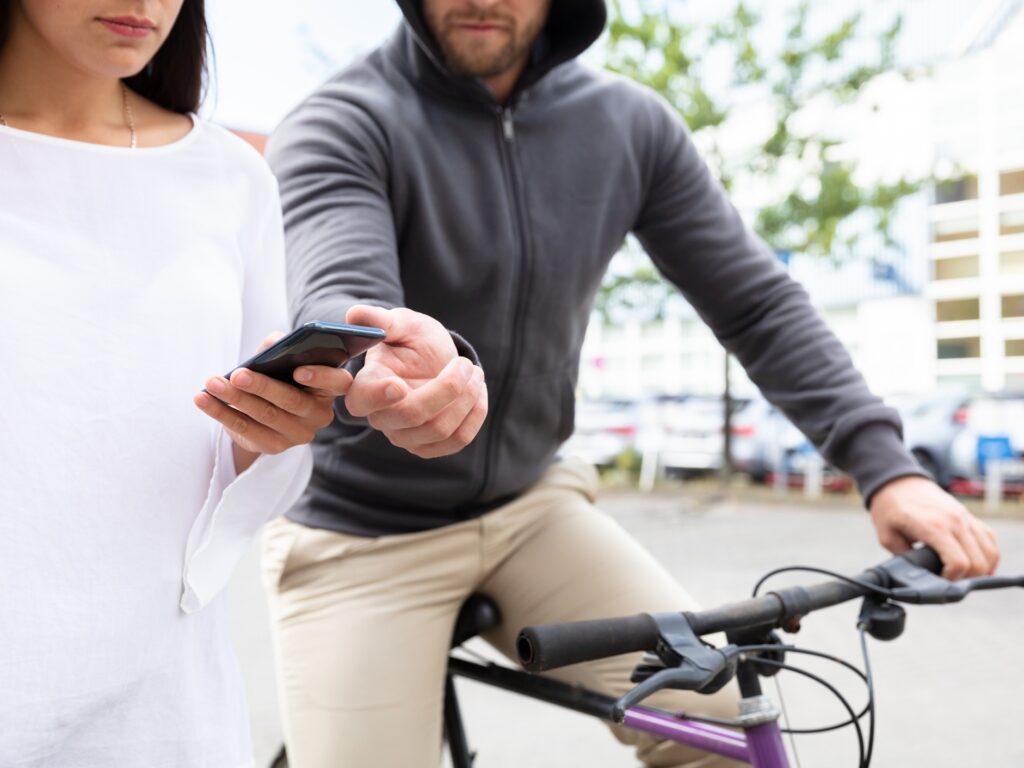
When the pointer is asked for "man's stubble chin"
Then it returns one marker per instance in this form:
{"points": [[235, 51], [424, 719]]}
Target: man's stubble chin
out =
{"points": [[476, 60]]}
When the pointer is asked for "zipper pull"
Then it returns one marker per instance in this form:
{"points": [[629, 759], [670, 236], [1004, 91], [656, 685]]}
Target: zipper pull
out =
{"points": [[507, 124]]}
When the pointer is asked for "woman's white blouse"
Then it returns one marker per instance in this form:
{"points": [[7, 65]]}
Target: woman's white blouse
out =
{"points": [[126, 278]]}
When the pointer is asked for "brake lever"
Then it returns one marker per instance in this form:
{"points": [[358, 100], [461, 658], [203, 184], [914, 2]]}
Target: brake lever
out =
{"points": [[687, 676], [687, 663], [912, 584]]}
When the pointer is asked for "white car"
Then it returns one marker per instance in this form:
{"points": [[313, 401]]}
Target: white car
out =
{"points": [[604, 429]]}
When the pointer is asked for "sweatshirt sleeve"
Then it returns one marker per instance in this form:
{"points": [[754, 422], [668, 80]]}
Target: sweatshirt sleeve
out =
{"points": [[236, 506], [697, 239], [331, 159]]}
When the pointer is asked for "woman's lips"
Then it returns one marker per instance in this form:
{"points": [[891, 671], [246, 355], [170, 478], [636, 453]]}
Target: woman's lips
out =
{"points": [[128, 26]]}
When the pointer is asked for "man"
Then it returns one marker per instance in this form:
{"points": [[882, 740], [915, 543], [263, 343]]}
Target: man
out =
{"points": [[464, 187]]}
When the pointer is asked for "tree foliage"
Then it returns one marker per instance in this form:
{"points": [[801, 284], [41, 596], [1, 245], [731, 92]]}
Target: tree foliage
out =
{"points": [[714, 73]]}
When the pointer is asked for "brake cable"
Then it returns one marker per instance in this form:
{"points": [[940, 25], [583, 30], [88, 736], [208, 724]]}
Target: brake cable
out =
{"points": [[874, 588]]}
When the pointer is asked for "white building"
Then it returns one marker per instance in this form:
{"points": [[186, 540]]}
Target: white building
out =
{"points": [[952, 314], [977, 224], [886, 326]]}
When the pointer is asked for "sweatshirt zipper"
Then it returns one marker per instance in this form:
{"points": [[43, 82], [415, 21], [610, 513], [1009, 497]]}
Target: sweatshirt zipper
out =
{"points": [[506, 117], [507, 125]]}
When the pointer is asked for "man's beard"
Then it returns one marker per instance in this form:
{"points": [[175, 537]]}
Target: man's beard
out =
{"points": [[469, 60]]}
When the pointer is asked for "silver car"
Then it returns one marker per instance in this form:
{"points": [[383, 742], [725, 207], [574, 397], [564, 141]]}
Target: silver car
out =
{"points": [[605, 428], [944, 431]]}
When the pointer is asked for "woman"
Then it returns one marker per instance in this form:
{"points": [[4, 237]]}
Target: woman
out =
{"points": [[140, 251]]}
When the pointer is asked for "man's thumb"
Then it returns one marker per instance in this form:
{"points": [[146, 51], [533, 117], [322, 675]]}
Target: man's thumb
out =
{"points": [[376, 317]]}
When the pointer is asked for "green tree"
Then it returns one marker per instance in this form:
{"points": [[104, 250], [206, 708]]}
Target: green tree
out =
{"points": [[713, 74]]}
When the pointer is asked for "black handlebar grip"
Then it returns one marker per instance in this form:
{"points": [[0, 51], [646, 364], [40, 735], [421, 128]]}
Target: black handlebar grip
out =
{"points": [[924, 557], [550, 646]]}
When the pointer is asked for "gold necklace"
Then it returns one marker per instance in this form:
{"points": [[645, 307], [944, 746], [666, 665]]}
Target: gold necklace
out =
{"points": [[126, 108]]}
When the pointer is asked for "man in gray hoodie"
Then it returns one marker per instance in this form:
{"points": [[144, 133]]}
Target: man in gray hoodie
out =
{"points": [[464, 186]]}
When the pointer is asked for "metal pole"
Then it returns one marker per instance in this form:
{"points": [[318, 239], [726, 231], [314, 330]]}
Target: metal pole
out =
{"points": [[726, 471], [993, 484], [781, 470], [648, 469], [814, 476]]}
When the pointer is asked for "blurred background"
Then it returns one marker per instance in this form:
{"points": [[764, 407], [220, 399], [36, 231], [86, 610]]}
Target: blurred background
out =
{"points": [[878, 149]]}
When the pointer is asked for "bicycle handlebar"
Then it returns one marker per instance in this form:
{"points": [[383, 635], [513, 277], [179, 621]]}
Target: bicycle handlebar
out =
{"points": [[550, 646]]}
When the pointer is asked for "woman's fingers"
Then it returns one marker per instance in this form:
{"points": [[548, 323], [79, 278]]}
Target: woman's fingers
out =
{"points": [[282, 408], [245, 385], [269, 416], [245, 431]]}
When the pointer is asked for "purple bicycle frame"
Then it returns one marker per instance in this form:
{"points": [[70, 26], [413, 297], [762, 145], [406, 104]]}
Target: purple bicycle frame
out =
{"points": [[760, 746]]}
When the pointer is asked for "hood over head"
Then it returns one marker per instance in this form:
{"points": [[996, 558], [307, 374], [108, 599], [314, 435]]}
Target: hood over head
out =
{"points": [[572, 27]]}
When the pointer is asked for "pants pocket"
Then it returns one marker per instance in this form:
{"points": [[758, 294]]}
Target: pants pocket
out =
{"points": [[276, 543]]}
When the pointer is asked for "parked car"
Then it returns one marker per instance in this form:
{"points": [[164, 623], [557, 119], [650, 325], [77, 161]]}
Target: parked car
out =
{"points": [[995, 419], [685, 431], [930, 424], [760, 432], [764, 441], [605, 428], [943, 430]]}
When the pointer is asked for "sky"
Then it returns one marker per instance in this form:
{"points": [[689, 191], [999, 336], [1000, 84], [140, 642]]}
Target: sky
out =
{"points": [[269, 54]]}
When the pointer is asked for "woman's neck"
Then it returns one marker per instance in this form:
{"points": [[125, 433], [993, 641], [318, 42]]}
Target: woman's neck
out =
{"points": [[41, 91]]}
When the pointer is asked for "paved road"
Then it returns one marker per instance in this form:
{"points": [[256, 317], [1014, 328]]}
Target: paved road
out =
{"points": [[956, 667]]}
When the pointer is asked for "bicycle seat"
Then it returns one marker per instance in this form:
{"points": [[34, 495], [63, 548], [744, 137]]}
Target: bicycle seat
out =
{"points": [[478, 614]]}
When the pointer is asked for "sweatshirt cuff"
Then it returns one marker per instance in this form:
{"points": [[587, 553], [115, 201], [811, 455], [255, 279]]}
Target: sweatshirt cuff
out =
{"points": [[464, 348], [875, 455]]}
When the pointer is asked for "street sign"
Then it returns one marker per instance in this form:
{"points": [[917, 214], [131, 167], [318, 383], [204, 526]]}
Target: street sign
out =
{"points": [[993, 448]]}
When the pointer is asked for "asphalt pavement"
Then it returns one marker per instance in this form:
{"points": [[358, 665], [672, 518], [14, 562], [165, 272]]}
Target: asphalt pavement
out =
{"points": [[949, 690]]}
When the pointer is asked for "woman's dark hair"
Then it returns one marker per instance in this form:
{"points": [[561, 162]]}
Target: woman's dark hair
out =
{"points": [[175, 77], [5, 21]]}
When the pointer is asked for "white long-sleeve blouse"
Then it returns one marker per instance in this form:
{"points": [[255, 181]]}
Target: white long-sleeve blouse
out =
{"points": [[126, 278]]}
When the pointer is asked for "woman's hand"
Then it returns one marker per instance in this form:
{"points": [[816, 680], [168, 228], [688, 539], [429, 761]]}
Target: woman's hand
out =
{"points": [[263, 415]]}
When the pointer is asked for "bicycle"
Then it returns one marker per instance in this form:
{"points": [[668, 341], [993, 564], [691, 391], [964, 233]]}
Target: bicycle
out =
{"points": [[677, 658]]}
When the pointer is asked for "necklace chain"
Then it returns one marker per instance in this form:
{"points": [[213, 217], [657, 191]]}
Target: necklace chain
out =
{"points": [[126, 108]]}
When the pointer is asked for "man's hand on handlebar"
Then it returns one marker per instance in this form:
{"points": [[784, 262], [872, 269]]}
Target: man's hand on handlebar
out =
{"points": [[912, 509]]}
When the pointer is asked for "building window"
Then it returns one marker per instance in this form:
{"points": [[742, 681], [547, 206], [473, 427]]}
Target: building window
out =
{"points": [[1013, 306], [1011, 263], [650, 363], [957, 309], [1015, 347], [954, 229], [954, 349], [959, 268], [956, 190], [1011, 182], [1011, 223]]}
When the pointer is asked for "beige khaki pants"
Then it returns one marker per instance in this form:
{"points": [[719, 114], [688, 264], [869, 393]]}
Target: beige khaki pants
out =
{"points": [[362, 625]]}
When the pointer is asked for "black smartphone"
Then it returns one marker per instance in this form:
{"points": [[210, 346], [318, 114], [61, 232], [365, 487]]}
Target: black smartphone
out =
{"points": [[331, 344]]}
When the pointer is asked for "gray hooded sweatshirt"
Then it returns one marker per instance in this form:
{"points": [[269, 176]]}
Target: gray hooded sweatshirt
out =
{"points": [[406, 185]]}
